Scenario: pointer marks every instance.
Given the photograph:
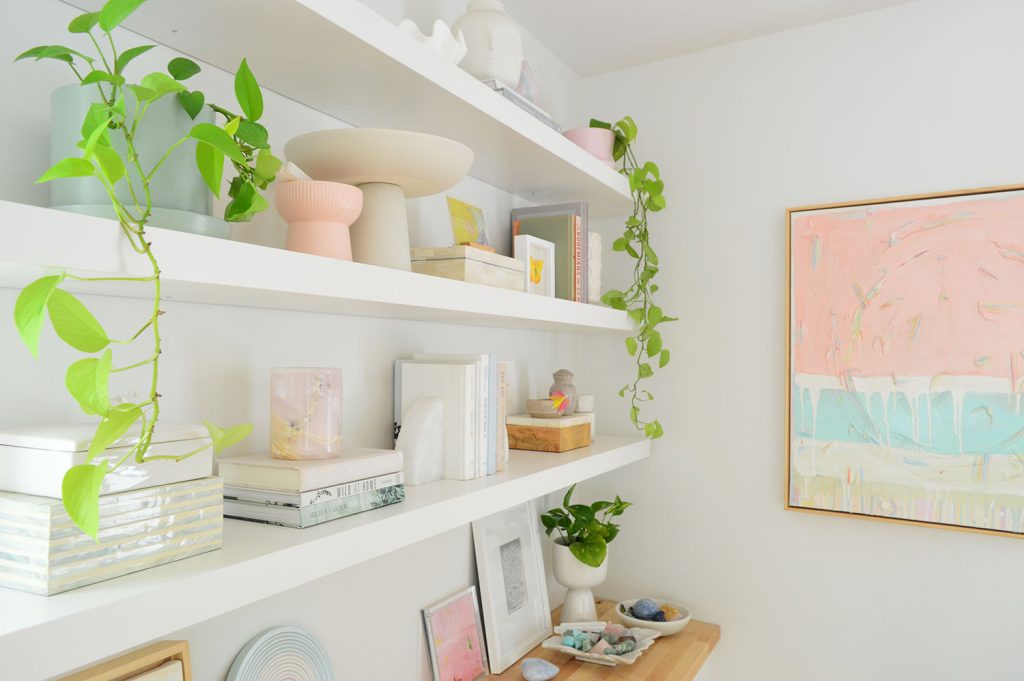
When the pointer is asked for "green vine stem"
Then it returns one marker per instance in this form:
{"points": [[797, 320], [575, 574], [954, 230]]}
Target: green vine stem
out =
{"points": [[241, 139], [646, 346]]}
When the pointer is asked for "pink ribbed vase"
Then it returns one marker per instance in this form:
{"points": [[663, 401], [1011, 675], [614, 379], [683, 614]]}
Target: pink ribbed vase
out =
{"points": [[318, 214], [598, 142]]}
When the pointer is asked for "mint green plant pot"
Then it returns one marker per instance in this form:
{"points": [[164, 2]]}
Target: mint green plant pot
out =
{"points": [[181, 200]]}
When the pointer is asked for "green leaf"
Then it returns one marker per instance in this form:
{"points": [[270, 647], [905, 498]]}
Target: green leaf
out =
{"points": [[653, 430], [182, 68], [128, 55], [83, 23], [95, 127], [88, 382], [599, 506], [226, 437], [631, 345], [637, 315], [210, 162], [247, 91], [634, 413], [654, 315], [208, 133], [622, 392], [98, 76], [652, 257], [247, 203], [591, 552], [568, 496], [613, 532], [113, 427], [620, 244], [68, 167], [632, 251], [161, 84], [231, 127], [653, 344], [80, 492], [192, 102], [110, 163], [644, 371], [548, 521], [267, 165], [663, 359], [59, 52], [74, 323], [253, 134], [29, 309], [143, 94], [32, 53], [116, 11], [656, 203]]}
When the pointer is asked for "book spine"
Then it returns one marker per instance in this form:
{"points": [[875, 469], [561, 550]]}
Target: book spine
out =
{"points": [[502, 446], [481, 416], [584, 261], [350, 489], [360, 503], [470, 450], [577, 244], [492, 415]]}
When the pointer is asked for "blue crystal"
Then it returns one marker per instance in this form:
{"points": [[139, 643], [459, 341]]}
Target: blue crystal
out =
{"points": [[645, 609], [536, 669]]}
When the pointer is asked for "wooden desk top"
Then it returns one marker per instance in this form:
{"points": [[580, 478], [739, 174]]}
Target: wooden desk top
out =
{"points": [[671, 658]]}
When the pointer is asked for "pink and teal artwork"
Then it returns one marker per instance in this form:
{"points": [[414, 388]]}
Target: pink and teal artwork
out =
{"points": [[455, 638], [906, 367]]}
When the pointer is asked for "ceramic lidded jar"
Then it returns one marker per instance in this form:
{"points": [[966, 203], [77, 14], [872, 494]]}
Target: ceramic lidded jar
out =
{"points": [[305, 413], [494, 41], [563, 384]]}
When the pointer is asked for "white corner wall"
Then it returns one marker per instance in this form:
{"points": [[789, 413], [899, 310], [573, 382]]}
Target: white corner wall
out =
{"points": [[922, 97]]}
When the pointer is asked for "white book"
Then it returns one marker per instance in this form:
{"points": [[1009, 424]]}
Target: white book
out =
{"points": [[280, 475], [484, 400], [506, 373], [456, 385], [34, 459], [313, 496]]}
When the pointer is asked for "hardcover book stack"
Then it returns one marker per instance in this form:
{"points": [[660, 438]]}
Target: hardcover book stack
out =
{"points": [[564, 225], [306, 493], [475, 390], [150, 514]]}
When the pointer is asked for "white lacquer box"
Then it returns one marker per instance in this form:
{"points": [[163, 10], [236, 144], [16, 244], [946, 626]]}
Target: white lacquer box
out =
{"points": [[33, 459]]}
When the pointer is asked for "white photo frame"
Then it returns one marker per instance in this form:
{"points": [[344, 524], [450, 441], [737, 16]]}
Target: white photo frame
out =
{"points": [[538, 258], [513, 584]]}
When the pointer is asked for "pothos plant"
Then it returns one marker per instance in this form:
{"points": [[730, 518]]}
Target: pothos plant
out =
{"points": [[108, 154], [646, 347], [585, 530]]}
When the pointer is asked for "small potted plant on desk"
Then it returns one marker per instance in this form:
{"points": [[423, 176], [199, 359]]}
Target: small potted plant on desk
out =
{"points": [[581, 550]]}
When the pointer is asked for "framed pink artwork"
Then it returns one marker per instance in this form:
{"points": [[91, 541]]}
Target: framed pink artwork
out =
{"points": [[906, 359], [455, 638]]}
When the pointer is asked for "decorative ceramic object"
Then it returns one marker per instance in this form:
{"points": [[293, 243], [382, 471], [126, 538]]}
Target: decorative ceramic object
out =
{"points": [[670, 626], [598, 142], [389, 166], [494, 40], [641, 639], [318, 214], [543, 408], [421, 441], [536, 669], [579, 579], [181, 199], [563, 384], [282, 653], [305, 413], [451, 48]]}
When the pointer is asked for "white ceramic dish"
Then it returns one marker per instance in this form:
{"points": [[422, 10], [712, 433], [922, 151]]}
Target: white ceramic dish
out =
{"points": [[644, 639], [664, 628]]}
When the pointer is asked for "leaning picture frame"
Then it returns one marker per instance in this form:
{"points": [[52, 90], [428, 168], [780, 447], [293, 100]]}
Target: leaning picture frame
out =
{"points": [[513, 584], [538, 258], [160, 661], [455, 638]]}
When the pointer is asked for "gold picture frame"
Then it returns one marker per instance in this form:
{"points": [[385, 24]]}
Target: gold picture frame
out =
{"points": [[789, 504], [137, 662]]}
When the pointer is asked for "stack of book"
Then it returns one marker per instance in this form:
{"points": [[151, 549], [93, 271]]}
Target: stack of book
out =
{"points": [[523, 103], [150, 514], [476, 390], [305, 493], [564, 225]]}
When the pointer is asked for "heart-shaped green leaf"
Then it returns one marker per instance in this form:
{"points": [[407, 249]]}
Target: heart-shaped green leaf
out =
{"points": [[68, 167], [88, 382], [208, 133], [663, 359], [97, 76], [591, 552], [113, 426], [182, 68], [226, 437], [192, 102], [80, 492], [210, 162], [116, 11], [109, 162], [29, 309], [83, 23], [253, 134], [161, 84], [75, 324], [128, 55]]}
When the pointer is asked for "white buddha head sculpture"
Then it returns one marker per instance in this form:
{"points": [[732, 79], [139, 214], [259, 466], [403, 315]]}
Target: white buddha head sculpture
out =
{"points": [[494, 41]]}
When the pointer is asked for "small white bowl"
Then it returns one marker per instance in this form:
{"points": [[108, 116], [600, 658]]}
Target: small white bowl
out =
{"points": [[665, 628]]}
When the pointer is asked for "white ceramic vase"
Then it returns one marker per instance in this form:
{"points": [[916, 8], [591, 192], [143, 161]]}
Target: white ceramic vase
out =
{"points": [[579, 578], [494, 42]]}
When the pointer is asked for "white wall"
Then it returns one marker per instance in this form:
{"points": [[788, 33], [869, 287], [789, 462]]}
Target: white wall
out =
{"points": [[919, 98], [217, 359]]}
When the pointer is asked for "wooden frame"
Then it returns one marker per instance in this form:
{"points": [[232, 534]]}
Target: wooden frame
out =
{"points": [[137, 662], [789, 352]]}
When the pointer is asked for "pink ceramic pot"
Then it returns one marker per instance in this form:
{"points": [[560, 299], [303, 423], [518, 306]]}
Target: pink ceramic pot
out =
{"points": [[596, 141], [318, 214]]}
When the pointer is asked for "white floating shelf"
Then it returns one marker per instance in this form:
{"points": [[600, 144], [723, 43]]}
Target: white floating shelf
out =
{"points": [[340, 57], [198, 269], [258, 561]]}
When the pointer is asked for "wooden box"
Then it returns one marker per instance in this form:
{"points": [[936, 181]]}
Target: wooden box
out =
{"points": [[549, 435], [465, 263]]}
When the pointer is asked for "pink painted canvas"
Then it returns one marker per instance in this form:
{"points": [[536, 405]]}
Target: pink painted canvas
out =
{"points": [[455, 638], [907, 359]]}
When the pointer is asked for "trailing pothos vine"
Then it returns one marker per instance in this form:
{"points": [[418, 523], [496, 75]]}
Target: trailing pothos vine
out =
{"points": [[646, 347], [108, 154]]}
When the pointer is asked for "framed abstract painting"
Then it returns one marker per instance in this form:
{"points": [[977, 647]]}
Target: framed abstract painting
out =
{"points": [[906, 359], [455, 638]]}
